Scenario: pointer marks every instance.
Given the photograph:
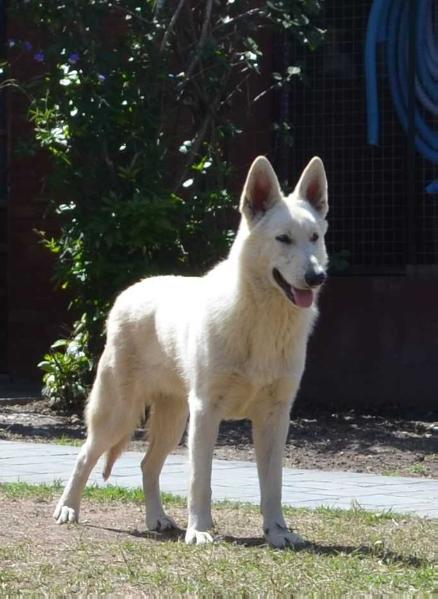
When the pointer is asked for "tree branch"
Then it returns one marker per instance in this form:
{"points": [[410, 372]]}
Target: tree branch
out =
{"points": [[202, 39], [173, 20]]}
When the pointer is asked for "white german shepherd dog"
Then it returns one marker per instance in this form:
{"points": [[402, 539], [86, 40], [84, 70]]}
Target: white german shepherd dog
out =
{"points": [[228, 345]]}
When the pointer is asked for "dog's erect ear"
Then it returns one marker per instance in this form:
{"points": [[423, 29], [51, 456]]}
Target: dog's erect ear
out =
{"points": [[261, 190], [312, 186]]}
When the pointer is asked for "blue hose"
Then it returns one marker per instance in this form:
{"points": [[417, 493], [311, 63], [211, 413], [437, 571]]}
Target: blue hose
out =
{"points": [[425, 75], [426, 139], [371, 71], [388, 23]]}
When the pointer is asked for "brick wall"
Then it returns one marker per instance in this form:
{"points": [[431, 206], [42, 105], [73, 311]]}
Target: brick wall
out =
{"points": [[35, 312]]}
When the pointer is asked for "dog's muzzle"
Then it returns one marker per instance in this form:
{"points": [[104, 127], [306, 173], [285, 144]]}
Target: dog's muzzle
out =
{"points": [[300, 297]]}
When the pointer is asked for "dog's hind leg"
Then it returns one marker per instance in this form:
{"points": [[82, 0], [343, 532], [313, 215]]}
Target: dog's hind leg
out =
{"points": [[111, 419], [167, 422], [68, 506]]}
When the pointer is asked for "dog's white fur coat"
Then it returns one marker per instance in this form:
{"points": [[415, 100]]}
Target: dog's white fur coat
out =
{"points": [[229, 345]]}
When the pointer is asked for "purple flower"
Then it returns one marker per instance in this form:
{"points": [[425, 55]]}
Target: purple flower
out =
{"points": [[27, 46], [73, 58], [101, 77], [39, 56]]}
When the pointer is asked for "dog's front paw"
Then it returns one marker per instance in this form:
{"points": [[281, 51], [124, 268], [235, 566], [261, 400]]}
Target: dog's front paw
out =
{"points": [[281, 537], [197, 537], [64, 513], [161, 523]]}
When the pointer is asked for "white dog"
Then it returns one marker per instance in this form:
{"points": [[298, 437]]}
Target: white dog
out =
{"points": [[229, 345]]}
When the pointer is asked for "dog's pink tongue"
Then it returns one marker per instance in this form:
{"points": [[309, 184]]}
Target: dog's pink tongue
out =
{"points": [[303, 297]]}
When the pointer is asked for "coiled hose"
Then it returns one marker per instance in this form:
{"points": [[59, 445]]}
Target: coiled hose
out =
{"points": [[388, 23]]}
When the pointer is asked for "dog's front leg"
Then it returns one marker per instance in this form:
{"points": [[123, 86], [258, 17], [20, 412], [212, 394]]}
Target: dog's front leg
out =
{"points": [[203, 430], [269, 434]]}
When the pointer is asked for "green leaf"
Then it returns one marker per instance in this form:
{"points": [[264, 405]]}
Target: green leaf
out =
{"points": [[45, 366], [59, 343]]}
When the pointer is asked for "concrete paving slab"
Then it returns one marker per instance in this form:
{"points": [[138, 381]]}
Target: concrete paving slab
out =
{"points": [[233, 480]]}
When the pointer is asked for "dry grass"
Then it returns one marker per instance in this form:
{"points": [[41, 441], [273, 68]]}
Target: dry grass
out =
{"points": [[351, 552]]}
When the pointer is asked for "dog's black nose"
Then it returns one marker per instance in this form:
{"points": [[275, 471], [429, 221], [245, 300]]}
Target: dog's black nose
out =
{"points": [[313, 279]]}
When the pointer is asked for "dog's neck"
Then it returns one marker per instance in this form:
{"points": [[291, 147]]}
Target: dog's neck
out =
{"points": [[266, 303], [266, 334], [262, 326]]}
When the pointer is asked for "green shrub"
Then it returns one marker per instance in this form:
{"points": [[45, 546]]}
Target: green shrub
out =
{"points": [[67, 370], [134, 104]]}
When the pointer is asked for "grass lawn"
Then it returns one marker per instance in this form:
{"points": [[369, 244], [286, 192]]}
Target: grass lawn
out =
{"points": [[109, 553]]}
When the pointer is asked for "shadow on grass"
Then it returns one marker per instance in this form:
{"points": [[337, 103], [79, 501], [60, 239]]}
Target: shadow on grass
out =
{"points": [[385, 555], [175, 534], [381, 553]]}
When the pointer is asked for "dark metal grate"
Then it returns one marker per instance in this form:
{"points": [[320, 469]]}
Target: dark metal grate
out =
{"points": [[370, 220]]}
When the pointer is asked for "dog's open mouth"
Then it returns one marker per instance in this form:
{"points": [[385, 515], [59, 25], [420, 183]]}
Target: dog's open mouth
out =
{"points": [[300, 297]]}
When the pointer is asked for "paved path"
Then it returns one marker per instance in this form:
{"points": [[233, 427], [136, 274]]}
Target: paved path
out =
{"points": [[234, 480]]}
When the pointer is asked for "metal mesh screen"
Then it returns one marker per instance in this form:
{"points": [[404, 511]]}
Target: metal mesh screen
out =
{"points": [[381, 217]]}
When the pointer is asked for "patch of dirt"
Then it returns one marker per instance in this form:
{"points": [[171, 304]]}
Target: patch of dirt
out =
{"points": [[342, 441], [32, 518]]}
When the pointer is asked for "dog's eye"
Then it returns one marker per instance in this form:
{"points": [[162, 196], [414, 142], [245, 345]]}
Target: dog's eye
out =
{"points": [[284, 239], [314, 238]]}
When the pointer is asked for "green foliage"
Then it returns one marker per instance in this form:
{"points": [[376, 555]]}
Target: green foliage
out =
{"points": [[67, 369], [135, 104]]}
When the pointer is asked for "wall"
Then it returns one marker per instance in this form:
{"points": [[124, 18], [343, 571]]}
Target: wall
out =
{"points": [[35, 312], [375, 345]]}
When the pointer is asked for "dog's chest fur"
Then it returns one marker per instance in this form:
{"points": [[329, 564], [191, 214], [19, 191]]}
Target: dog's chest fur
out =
{"points": [[253, 351], [267, 342]]}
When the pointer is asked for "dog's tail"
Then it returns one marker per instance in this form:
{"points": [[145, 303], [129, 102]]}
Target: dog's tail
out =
{"points": [[113, 454]]}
